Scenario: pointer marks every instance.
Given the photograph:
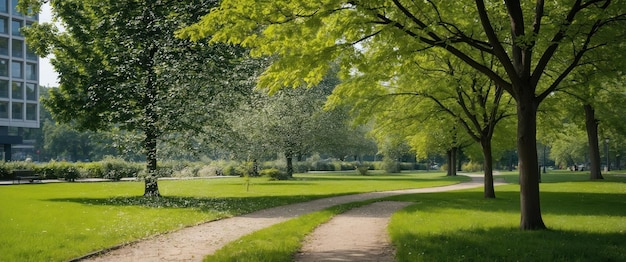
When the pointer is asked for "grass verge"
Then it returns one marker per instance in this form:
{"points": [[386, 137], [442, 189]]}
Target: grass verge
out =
{"points": [[586, 221], [279, 242], [57, 222]]}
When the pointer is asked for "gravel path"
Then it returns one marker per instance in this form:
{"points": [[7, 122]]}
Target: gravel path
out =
{"points": [[194, 243]]}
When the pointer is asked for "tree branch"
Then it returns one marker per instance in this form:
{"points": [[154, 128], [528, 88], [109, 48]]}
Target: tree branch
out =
{"points": [[498, 49]]}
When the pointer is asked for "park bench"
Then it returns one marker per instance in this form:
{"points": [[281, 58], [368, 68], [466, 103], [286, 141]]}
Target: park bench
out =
{"points": [[25, 174]]}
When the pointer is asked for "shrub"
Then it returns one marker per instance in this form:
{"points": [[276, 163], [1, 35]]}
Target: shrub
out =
{"points": [[210, 170], [300, 167], [71, 173], [93, 170], [59, 170], [186, 172], [408, 166], [421, 166], [47, 171], [240, 169], [472, 167], [344, 166], [322, 165], [362, 169], [116, 168], [5, 171], [274, 174], [390, 165], [377, 165]]}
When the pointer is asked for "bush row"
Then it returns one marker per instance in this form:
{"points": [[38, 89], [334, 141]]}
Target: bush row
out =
{"points": [[110, 168], [116, 168]]}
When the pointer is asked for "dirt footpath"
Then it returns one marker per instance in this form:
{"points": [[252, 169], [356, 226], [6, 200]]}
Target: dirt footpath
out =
{"points": [[357, 235], [194, 243]]}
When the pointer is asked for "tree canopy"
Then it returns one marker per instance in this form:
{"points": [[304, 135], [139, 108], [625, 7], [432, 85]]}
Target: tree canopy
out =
{"points": [[535, 45], [121, 66]]}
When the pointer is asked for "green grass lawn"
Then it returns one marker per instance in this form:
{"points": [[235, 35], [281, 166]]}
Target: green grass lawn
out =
{"points": [[587, 222], [57, 222], [586, 219]]}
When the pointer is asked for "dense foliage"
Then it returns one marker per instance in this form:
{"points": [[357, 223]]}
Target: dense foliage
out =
{"points": [[528, 50], [121, 66]]}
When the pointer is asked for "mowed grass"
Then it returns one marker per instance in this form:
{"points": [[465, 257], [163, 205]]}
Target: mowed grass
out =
{"points": [[57, 222], [587, 222], [278, 243]]}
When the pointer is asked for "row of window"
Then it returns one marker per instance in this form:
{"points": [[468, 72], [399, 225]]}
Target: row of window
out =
{"points": [[18, 111], [17, 48], [18, 69], [16, 24], [18, 90]]}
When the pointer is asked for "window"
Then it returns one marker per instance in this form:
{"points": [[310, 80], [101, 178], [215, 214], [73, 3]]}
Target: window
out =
{"points": [[4, 25], [30, 55], [4, 67], [31, 92], [4, 8], [17, 111], [4, 109], [4, 46], [17, 48], [17, 90], [31, 111], [14, 7], [4, 89], [16, 69], [31, 71], [15, 27]]}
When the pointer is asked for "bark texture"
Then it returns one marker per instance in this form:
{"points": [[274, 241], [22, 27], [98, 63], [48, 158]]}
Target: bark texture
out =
{"points": [[489, 191], [528, 166], [591, 124]]}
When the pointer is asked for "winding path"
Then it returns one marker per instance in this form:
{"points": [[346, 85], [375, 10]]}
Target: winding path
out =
{"points": [[194, 243]]}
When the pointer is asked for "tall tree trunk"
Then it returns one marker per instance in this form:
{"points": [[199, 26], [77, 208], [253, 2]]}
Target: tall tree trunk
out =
{"points": [[528, 163], [152, 132], [289, 156], [511, 164], [489, 191], [591, 124], [151, 180], [459, 160], [450, 162]]}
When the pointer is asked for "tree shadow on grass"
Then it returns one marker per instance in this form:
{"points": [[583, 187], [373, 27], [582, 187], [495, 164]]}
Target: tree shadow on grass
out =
{"points": [[229, 205], [511, 244], [557, 203], [565, 176]]}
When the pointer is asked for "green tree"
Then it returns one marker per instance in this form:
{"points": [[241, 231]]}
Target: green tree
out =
{"points": [[339, 137], [285, 122], [66, 143], [362, 35], [442, 93], [120, 66]]}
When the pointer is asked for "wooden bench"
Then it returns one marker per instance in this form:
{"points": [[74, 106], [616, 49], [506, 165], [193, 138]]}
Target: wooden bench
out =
{"points": [[24, 174]]}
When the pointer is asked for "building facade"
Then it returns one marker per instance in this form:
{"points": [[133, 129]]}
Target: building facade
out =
{"points": [[19, 78]]}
